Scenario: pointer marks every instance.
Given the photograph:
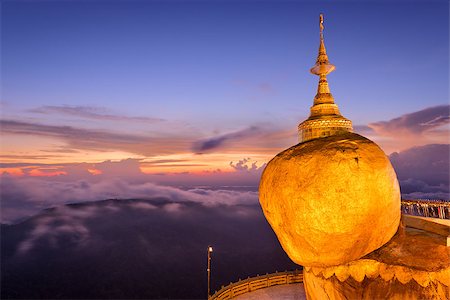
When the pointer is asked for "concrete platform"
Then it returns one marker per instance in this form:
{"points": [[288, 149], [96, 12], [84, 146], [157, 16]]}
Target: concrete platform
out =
{"points": [[293, 291]]}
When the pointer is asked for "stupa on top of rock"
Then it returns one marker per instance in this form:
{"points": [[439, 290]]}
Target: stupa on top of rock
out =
{"points": [[325, 118], [333, 201], [334, 197]]}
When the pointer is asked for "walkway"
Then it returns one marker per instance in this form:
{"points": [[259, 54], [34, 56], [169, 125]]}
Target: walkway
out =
{"points": [[281, 292]]}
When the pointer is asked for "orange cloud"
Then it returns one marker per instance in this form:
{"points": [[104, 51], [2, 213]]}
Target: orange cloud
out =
{"points": [[12, 171], [45, 172], [94, 171]]}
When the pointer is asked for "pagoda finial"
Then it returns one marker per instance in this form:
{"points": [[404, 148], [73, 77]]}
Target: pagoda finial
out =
{"points": [[321, 25], [322, 66]]}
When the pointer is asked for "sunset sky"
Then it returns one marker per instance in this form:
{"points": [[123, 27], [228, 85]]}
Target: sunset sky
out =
{"points": [[209, 87]]}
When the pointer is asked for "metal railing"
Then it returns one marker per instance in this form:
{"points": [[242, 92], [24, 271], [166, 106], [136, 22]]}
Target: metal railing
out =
{"points": [[426, 208], [258, 282]]}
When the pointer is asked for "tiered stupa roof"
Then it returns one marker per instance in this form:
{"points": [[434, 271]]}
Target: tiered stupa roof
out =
{"points": [[325, 118]]}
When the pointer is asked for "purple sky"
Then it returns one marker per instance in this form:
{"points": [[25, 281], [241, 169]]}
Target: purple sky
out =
{"points": [[93, 84]]}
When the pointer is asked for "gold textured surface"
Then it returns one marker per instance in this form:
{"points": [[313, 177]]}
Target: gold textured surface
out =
{"points": [[331, 200], [414, 264], [318, 288]]}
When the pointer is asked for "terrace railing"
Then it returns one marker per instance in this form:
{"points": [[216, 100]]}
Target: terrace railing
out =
{"points": [[258, 282], [426, 208]]}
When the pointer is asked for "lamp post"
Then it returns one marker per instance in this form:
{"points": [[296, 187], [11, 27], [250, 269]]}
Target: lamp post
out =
{"points": [[210, 250]]}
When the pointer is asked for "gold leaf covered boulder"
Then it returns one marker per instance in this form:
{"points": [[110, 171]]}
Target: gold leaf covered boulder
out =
{"points": [[331, 200]]}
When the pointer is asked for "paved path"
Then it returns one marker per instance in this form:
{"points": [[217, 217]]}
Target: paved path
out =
{"points": [[281, 292]]}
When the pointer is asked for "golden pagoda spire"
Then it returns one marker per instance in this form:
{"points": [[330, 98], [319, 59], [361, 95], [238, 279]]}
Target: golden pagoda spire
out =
{"points": [[322, 68], [325, 118]]}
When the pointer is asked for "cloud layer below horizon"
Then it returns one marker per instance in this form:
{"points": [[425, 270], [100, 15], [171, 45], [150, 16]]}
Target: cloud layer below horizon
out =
{"points": [[423, 173]]}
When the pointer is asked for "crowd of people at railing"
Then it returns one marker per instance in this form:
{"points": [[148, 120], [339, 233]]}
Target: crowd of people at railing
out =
{"points": [[427, 208]]}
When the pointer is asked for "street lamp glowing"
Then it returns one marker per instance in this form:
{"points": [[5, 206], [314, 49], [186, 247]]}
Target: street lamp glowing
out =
{"points": [[210, 250]]}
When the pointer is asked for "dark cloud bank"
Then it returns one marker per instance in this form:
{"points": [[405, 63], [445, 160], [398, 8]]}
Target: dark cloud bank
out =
{"points": [[423, 172], [219, 141], [414, 123], [135, 249], [91, 112], [77, 138]]}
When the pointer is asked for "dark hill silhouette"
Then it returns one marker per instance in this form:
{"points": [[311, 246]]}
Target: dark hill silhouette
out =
{"points": [[135, 249]]}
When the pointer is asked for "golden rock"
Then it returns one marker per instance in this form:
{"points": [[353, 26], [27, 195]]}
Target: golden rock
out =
{"points": [[331, 200], [414, 264]]}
